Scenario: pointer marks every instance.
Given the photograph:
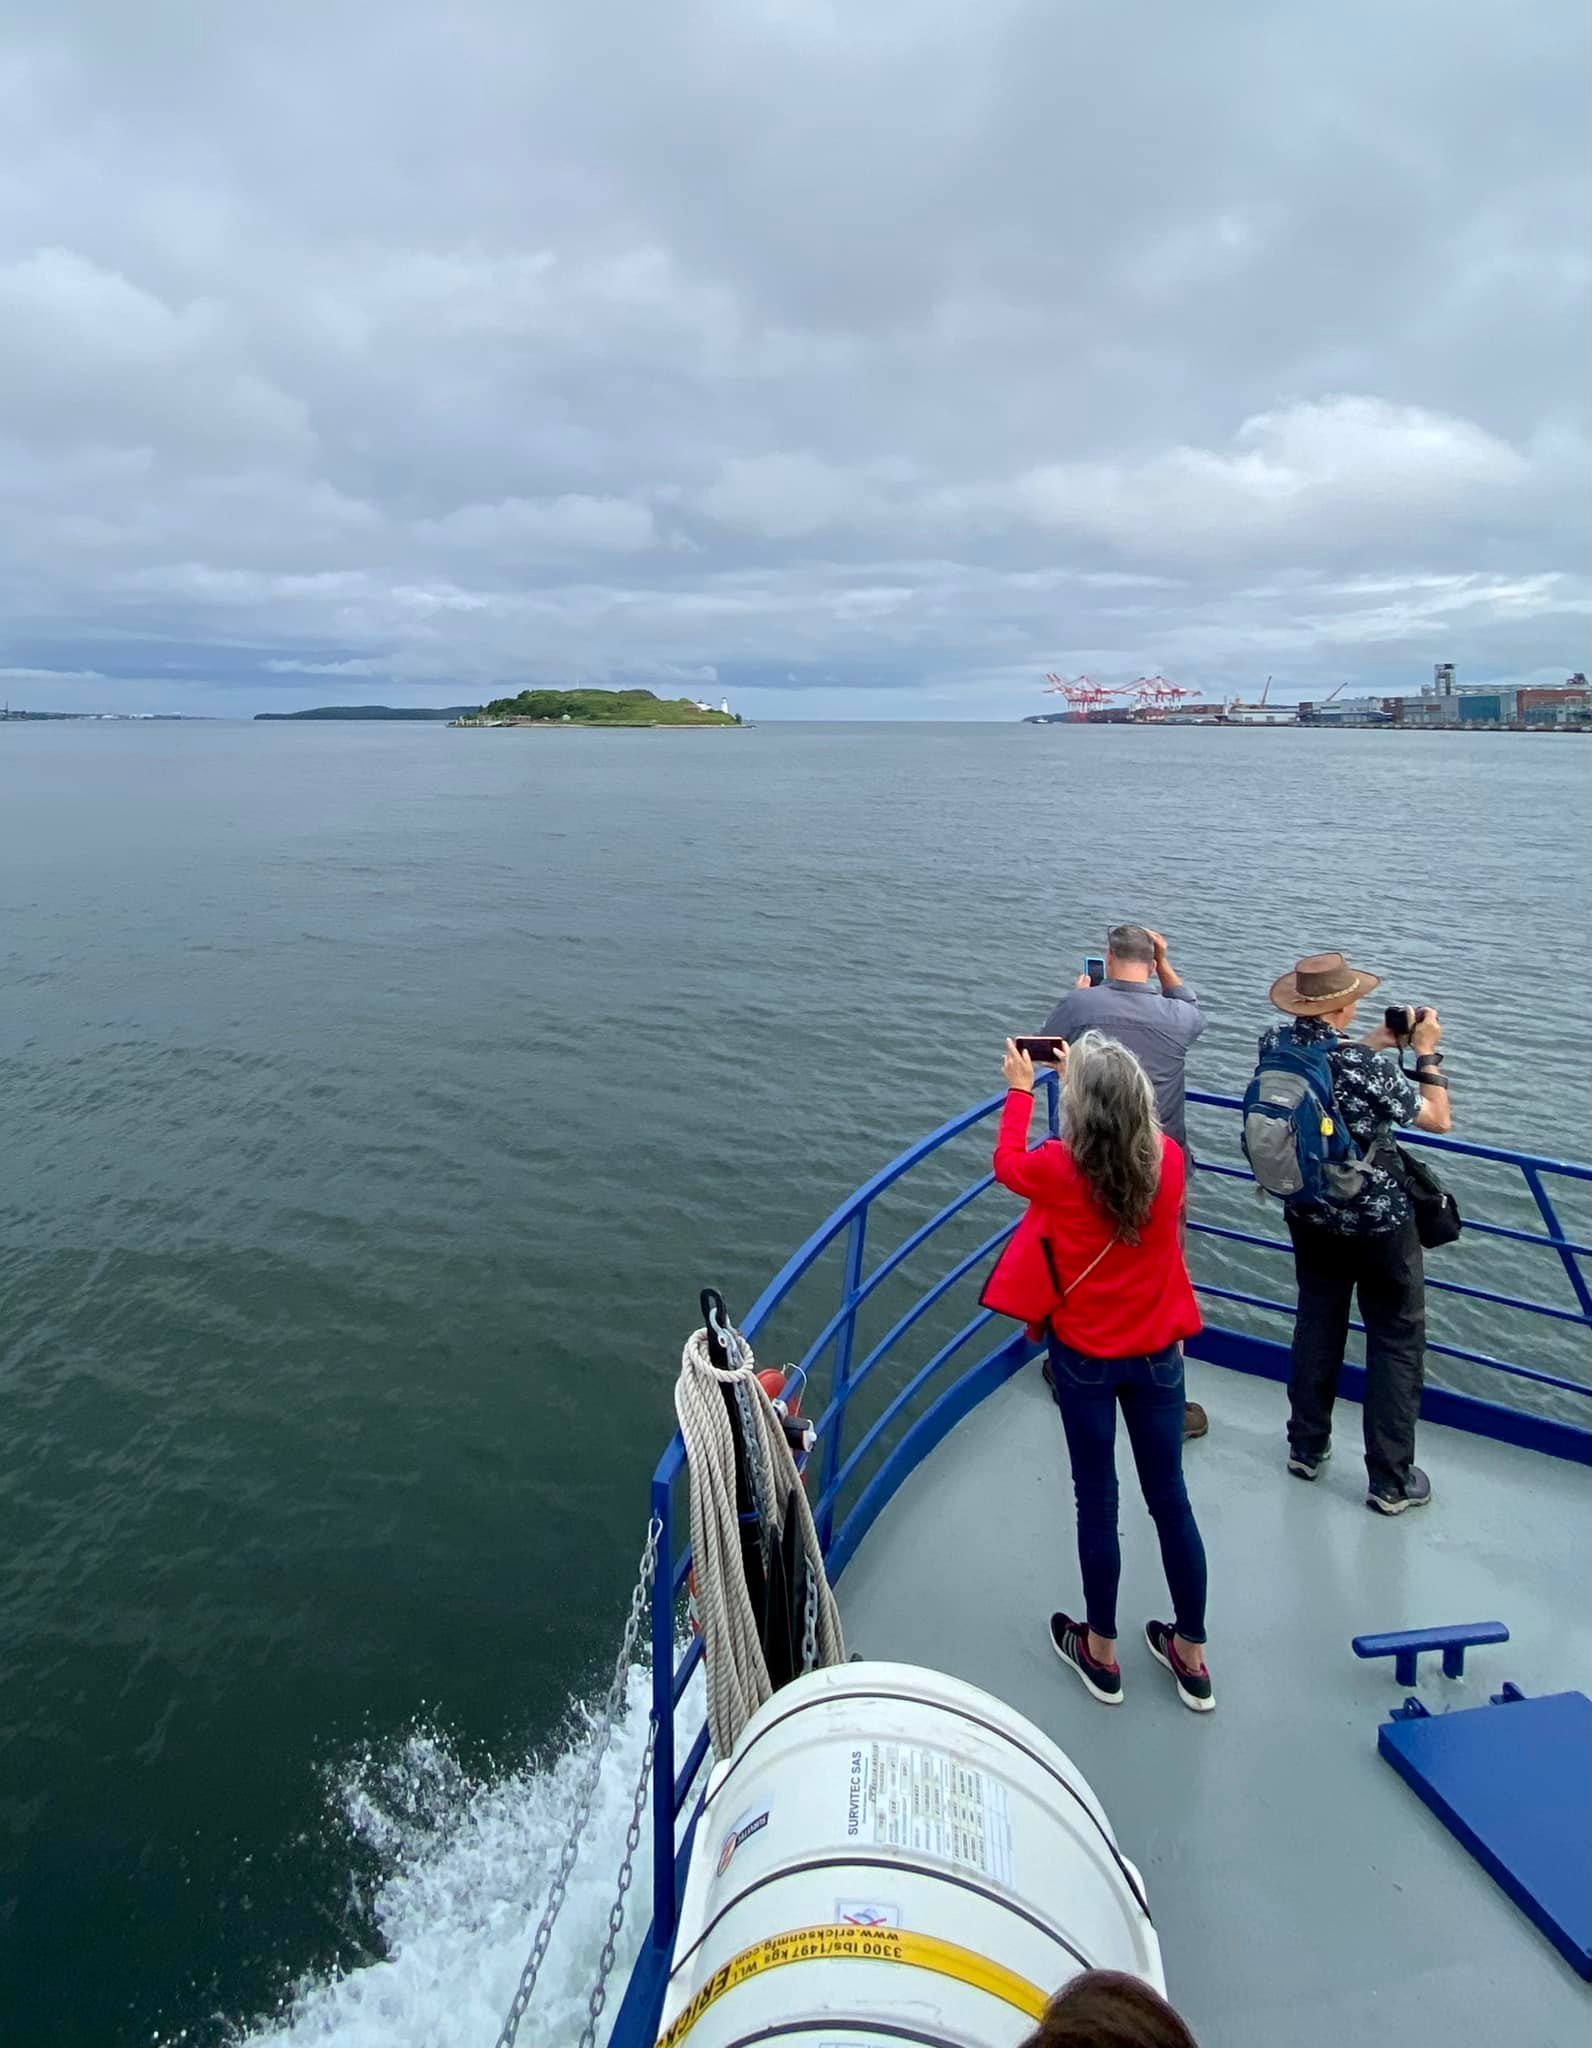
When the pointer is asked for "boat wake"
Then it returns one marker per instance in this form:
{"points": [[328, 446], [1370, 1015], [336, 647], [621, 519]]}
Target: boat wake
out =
{"points": [[465, 1868]]}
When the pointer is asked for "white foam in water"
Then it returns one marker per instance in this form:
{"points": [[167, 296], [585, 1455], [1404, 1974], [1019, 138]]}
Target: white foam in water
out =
{"points": [[467, 1868]]}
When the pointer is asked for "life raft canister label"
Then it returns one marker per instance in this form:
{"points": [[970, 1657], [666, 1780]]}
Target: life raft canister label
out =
{"points": [[902, 1795], [860, 1944], [867, 1912], [745, 1828]]}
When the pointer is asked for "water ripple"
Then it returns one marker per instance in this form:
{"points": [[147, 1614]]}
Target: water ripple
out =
{"points": [[372, 1116]]}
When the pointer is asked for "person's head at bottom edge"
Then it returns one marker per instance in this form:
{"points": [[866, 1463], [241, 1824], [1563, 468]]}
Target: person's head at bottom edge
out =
{"points": [[1107, 2009]]}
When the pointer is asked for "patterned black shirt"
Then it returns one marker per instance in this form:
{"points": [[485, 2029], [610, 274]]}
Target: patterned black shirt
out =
{"points": [[1368, 1093]]}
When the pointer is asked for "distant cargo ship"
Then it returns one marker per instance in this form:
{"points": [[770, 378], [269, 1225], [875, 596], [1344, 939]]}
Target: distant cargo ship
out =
{"points": [[1262, 713]]}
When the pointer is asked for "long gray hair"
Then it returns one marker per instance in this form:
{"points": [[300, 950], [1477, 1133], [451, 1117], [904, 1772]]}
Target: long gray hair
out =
{"points": [[1112, 1129]]}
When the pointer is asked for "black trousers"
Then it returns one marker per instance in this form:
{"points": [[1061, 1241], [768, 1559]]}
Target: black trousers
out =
{"points": [[1391, 1281]]}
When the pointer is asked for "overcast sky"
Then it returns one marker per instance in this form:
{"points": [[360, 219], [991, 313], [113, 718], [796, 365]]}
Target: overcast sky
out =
{"points": [[851, 357]]}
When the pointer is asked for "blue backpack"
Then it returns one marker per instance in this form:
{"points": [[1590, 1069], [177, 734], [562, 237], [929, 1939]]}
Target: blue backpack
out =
{"points": [[1293, 1138]]}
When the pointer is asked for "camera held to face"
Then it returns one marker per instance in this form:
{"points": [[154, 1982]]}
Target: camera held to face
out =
{"points": [[1402, 1018]]}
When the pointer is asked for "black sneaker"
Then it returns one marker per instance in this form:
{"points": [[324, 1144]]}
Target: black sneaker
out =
{"points": [[1393, 1500], [1070, 1641], [1193, 1687], [1306, 1464]]}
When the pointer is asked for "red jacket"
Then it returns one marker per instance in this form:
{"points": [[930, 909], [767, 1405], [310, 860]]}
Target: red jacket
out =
{"points": [[1138, 1299]]}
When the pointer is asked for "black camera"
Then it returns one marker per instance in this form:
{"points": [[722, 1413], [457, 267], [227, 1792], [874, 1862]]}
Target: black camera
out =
{"points": [[1402, 1018]]}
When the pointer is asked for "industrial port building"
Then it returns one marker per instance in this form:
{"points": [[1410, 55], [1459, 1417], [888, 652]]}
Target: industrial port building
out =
{"points": [[1478, 707], [1471, 707]]}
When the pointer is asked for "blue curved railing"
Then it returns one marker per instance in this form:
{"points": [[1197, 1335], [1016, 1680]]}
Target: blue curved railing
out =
{"points": [[889, 1449]]}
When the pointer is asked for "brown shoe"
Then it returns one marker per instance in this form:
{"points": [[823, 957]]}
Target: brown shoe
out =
{"points": [[1195, 1421]]}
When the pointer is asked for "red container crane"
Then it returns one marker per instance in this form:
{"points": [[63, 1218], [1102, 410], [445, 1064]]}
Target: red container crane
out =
{"points": [[1154, 696]]}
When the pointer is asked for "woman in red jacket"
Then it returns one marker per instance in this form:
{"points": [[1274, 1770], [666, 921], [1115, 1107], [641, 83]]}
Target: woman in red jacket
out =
{"points": [[1108, 1201]]}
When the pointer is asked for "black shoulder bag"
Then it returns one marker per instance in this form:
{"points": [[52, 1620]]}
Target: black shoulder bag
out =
{"points": [[1437, 1217]]}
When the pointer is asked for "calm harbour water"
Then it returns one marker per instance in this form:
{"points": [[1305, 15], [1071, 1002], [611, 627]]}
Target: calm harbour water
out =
{"points": [[376, 1098]]}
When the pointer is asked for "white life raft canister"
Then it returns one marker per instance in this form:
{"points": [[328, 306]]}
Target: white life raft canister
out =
{"points": [[891, 1855]]}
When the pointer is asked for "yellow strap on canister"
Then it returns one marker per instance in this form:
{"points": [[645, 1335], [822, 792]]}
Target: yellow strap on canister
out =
{"points": [[840, 1942]]}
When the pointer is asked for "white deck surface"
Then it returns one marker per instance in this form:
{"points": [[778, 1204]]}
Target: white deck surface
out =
{"points": [[1302, 1892]]}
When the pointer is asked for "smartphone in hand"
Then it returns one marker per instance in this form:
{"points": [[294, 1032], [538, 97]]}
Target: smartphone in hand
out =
{"points": [[1095, 968], [1042, 1051]]}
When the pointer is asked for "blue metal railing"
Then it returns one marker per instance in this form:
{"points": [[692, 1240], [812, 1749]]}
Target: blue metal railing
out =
{"points": [[889, 1447]]}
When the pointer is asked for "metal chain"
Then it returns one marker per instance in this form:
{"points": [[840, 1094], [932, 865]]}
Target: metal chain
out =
{"points": [[762, 1488], [770, 1512], [585, 1792], [810, 1625], [616, 1912]]}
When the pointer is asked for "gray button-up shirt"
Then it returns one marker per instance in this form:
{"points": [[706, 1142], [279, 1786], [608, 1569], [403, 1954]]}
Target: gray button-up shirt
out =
{"points": [[1157, 1026]]}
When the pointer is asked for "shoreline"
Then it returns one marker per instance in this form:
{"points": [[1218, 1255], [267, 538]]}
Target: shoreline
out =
{"points": [[1305, 725], [589, 725]]}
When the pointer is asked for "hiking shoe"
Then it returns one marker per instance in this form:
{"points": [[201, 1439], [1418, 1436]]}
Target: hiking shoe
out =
{"points": [[1393, 1500], [1070, 1641], [1193, 1687], [1306, 1464], [1195, 1421]]}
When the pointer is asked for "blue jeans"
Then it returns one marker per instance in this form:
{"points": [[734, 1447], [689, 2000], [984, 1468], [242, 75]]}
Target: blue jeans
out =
{"points": [[1150, 1389]]}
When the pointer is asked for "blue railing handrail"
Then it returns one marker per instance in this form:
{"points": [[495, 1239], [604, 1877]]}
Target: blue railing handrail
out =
{"points": [[809, 1253], [856, 1204], [1571, 1169], [824, 1236], [849, 1222]]}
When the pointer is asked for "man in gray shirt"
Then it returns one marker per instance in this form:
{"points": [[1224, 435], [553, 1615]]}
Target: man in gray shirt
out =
{"points": [[1156, 1024]]}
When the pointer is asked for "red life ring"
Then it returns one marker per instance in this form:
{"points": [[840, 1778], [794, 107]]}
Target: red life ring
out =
{"points": [[772, 1381]]}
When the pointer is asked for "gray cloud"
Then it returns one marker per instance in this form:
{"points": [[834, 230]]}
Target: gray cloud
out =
{"points": [[871, 356]]}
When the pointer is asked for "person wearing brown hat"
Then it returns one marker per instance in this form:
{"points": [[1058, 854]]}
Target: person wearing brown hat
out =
{"points": [[1364, 1243]]}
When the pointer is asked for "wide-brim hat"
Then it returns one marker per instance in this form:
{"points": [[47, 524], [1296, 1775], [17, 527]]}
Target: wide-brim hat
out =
{"points": [[1325, 981]]}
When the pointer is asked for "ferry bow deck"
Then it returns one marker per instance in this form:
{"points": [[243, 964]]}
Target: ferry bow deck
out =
{"points": [[1301, 1891]]}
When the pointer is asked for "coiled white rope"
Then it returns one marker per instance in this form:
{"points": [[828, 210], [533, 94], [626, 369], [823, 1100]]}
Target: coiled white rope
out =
{"points": [[737, 1674]]}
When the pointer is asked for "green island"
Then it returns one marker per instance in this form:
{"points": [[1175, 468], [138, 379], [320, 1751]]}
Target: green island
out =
{"points": [[596, 707]]}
